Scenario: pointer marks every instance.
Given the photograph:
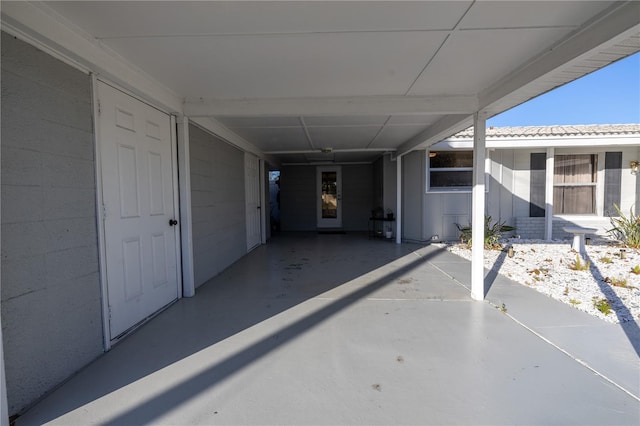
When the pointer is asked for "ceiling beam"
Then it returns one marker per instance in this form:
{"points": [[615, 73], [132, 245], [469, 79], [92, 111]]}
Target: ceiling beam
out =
{"points": [[331, 151], [441, 129], [332, 106]]}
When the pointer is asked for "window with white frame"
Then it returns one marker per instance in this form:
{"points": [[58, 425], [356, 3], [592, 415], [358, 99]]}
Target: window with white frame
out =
{"points": [[574, 184], [450, 170]]}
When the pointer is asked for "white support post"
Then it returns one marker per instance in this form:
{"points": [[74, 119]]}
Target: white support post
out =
{"points": [[548, 194], [4, 408], [478, 207], [398, 200], [186, 235], [263, 201]]}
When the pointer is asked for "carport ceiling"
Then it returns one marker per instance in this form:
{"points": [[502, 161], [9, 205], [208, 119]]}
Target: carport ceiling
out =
{"points": [[359, 78]]}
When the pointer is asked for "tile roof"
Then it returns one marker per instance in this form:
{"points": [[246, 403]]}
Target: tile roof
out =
{"points": [[547, 131]]}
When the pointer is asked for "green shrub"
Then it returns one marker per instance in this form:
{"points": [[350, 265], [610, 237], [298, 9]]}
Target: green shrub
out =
{"points": [[492, 232], [626, 229]]}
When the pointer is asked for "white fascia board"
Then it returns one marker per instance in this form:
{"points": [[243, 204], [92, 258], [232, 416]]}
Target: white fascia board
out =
{"points": [[620, 23], [443, 128], [332, 106], [39, 25], [555, 142]]}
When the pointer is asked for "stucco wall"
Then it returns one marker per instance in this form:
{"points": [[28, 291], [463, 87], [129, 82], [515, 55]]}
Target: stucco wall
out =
{"points": [[218, 204], [51, 314]]}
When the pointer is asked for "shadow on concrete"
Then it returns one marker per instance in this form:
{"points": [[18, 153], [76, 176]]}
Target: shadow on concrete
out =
{"points": [[627, 322], [290, 272], [150, 410], [490, 278]]}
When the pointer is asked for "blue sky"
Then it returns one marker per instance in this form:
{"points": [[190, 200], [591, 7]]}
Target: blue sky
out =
{"points": [[610, 95]]}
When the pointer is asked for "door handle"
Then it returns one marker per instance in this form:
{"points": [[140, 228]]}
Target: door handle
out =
{"points": [[172, 222]]}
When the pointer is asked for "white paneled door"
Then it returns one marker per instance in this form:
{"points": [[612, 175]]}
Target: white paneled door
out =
{"points": [[140, 237], [252, 199]]}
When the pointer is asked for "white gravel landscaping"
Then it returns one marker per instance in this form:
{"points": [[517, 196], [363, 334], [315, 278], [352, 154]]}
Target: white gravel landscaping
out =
{"points": [[546, 267]]}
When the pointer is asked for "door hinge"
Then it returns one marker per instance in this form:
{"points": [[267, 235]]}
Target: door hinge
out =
{"points": [[109, 312], [99, 107], [104, 212]]}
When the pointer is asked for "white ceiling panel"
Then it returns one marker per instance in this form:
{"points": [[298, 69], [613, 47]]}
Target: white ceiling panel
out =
{"points": [[370, 120], [232, 122], [393, 136], [413, 119], [108, 19], [342, 137], [523, 14], [304, 65], [487, 56], [275, 139]]}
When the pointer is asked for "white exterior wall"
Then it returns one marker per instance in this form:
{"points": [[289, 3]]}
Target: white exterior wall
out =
{"points": [[218, 204], [521, 181], [500, 186], [390, 189], [508, 195], [630, 183], [413, 201], [51, 311]]}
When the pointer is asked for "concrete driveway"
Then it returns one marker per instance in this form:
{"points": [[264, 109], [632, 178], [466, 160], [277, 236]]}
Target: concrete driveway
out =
{"points": [[342, 329]]}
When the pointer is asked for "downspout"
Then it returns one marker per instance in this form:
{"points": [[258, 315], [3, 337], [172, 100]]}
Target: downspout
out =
{"points": [[478, 208], [548, 194]]}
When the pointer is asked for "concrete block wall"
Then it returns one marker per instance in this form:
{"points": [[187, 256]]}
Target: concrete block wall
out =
{"points": [[51, 309], [530, 227], [217, 203], [533, 227]]}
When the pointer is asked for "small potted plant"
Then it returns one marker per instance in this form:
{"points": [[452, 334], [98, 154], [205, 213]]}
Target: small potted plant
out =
{"points": [[389, 214], [389, 232]]}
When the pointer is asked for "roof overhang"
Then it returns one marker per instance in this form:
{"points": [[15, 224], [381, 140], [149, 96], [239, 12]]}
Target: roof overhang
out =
{"points": [[361, 78]]}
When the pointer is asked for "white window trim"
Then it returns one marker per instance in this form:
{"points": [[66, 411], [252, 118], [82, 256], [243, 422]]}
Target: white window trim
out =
{"points": [[598, 184], [458, 189]]}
